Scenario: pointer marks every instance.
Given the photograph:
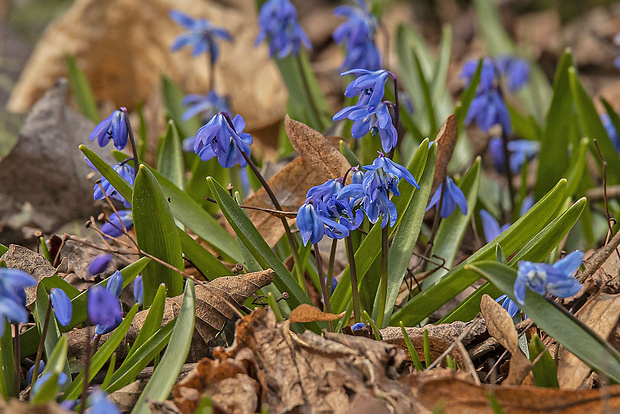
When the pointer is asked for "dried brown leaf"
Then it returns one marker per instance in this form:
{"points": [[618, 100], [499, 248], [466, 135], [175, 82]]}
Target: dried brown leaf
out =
{"points": [[446, 141], [308, 313], [601, 314], [501, 327]]}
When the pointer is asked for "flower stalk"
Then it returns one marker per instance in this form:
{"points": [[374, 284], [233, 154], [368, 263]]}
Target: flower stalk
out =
{"points": [[357, 307]]}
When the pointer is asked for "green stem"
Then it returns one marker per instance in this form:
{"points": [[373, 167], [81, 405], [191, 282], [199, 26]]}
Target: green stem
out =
{"points": [[86, 381], [132, 139], [37, 361], [319, 267], [357, 307], [308, 91], [330, 266], [384, 275], [18, 370]]}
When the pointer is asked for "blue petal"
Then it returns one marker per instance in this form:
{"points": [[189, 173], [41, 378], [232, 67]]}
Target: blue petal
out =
{"points": [[570, 263], [490, 226], [62, 306]]}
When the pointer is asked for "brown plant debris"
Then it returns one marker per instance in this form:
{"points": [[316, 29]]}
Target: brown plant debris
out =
{"points": [[309, 313], [446, 141]]}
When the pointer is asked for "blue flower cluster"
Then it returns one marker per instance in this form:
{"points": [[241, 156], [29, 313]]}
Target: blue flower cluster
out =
{"points": [[519, 150], [277, 22], [336, 210], [488, 107], [104, 308], [371, 113], [105, 189], [63, 309], [201, 34], [224, 140], [358, 36]]}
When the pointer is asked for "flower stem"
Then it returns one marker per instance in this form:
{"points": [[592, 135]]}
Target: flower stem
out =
{"points": [[330, 266], [384, 275], [357, 308], [86, 380], [16, 353], [319, 268], [436, 221], [37, 361], [132, 139]]}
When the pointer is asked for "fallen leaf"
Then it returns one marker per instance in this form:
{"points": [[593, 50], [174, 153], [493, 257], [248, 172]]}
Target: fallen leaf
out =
{"points": [[109, 42], [446, 141], [308, 313], [601, 313], [501, 327]]}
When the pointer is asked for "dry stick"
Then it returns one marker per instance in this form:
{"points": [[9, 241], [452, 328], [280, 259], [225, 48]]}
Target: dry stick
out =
{"points": [[599, 257], [62, 245], [501, 358], [273, 212], [600, 154], [468, 363], [453, 344], [46, 324], [111, 204], [599, 193]]}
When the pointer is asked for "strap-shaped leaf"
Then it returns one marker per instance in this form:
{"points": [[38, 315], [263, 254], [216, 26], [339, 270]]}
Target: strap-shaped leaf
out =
{"points": [[564, 327], [153, 320], [157, 234], [170, 157], [82, 92]]}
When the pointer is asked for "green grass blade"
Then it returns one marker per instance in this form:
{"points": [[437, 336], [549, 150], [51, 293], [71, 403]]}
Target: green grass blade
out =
{"points": [[82, 92], [415, 358], [173, 95], [170, 158], [545, 371], [440, 75], [153, 320]]}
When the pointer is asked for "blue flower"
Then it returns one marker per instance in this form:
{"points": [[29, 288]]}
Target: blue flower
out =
{"points": [[113, 128], [557, 279], [99, 264], [508, 304], [452, 197], [370, 85], [488, 74], [114, 226], [218, 138], [611, 131], [371, 119], [13, 296], [30, 373], [358, 326], [62, 306], [358, 35], [204, 105], [124, 170], [138, 290], [115, 283], [489, 109], [516, 70], [62, 379], [490, 226], [520, 151], [201, 34], [277, 22], [99, 403], [104, 309]]}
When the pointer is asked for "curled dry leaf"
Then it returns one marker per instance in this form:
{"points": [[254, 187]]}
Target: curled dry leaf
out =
{"points": [[501, 327], [601, 314], [309, 313], [446, 140], [108, 40], [319, 161]]}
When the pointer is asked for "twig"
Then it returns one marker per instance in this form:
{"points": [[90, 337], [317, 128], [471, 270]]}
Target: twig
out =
{"points": [[598, 193], [453, 344], [605, 203], [276, 213], [599, 257], [470, 365]]}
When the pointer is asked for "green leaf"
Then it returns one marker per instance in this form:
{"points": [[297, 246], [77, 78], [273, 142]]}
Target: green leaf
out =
{"points": [[511, 240], [462, 107], [114, 178], [7, 377], [209, 265], [406, 235], [348, 154], [545, 371], [153, 320], [170, 157], [165, 375], [592, 127], [48, 390], [553, 156], [101, 356], [415, 358], [82, 92], [3, 249], [173, 95], [157, 235], [440, 74], [452, 229], [564, 327], [426, 93], [578, 168]]}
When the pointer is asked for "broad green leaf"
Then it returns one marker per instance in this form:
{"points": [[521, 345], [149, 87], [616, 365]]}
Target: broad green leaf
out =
{"points": [[170, 157], [578, 168], [7, 377], [82, 92], [545, 371], [173, 95], [165, 375], [592, 127], [406, 236], [101, 356], [452, 229], [209, 265], [153, 320], [157, 235], [511, 240], [536, 250], [426, 93], [562, 326], [196, 187], [553, 156]]}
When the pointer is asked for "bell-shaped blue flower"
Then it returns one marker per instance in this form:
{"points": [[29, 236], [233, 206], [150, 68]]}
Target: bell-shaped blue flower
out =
{"points": [[124, 170], [218, 139], [488, 74], [371, 119], [358, 36], [277, 22], [369, 85], [104, 309], [99, 403], [13, 296], [487, 110], [114, 226], [358, 326], [204, 105], [557, 279], [99, 264], [311, 227], [519, 150], [515, 70], [138, 290], [113, 128], [452, 197], [201, 35], [30, 373], [62, 306]]}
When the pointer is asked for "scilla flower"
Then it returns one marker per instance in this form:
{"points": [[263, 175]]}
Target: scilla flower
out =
{"points": [[520, 150], [611, 131], [124, 170], [114, 226], [99, 403], [515, 70], [277, 22], [557, 279], [371, 119], [511, 307], [138, 290], [113, 128], [452, 197], [369, 85], [201, 34], [204, 105], [218, 139], [489, 109], [104, 309], [358, 36], [99, 264], [62, 306], [13, 296]]}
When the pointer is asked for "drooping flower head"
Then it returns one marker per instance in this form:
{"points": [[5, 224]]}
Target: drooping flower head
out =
{"points": [[38, 385], [489, 109], [511, 307], [277, 22], [204, 105], [30, 373], [201, 34], [124, 170], [113, 128], [218, 139], [104, 309], [358, 36], [520, 150], [490, 226], [99, 264], [13, 296], [557, 279], [62, 306], [452, 196], [114, 226], [138, 290], [369, 85]]}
